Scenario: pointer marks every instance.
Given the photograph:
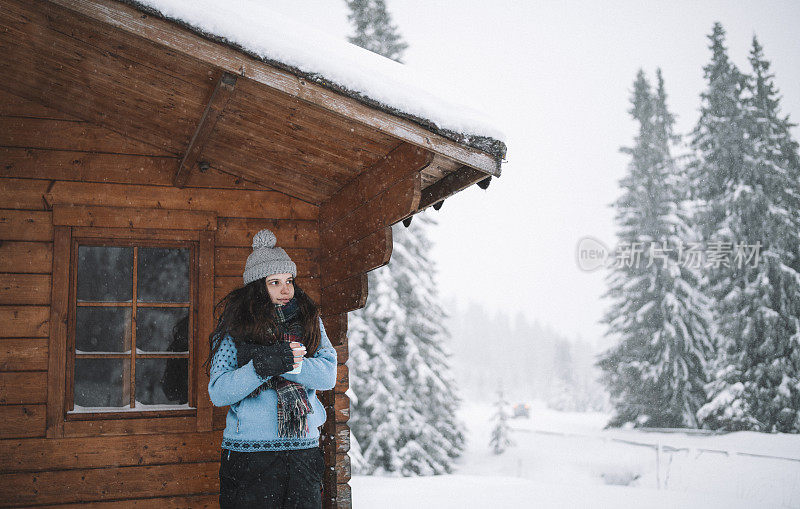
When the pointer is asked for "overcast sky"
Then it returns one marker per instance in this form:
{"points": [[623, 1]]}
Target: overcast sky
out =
{"points": [[556, 76]]}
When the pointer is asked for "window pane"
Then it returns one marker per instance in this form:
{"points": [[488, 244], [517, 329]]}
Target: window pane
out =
{"points": [[162, 329], [163, 275], [162, 381], [105, 274], [101, 329], [101, 382]]}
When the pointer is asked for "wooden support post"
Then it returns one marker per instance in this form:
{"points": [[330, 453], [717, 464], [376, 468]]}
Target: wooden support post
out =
{"points": [[336, 441], [216, 105], [336, 328], [355, 233], [57, 350], [347, 295], [361, 256], [204, 316]]}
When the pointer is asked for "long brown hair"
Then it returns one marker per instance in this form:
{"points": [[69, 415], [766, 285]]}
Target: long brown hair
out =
{"points": [[248, 315]]}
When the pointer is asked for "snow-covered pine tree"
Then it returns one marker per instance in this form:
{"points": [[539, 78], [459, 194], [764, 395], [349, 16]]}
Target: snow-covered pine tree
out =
{"points": [[374, 381], [756, 198], [656, 373], [421, 350], [403, 322], [501, 432], [398, 341], [357, 462], [374, 29]]}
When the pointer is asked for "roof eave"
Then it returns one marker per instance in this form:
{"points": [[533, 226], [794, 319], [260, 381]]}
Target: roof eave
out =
{"points": [[127, 15]]}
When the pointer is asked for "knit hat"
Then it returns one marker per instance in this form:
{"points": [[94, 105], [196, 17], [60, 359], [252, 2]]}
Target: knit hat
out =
{"points": [[266, 259]]}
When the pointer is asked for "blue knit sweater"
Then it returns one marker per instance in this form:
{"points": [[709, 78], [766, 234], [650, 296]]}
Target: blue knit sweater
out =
{"points": [[252, 422]]}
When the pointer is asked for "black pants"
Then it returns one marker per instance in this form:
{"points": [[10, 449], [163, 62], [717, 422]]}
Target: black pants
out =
{"points": [[271, 479]]}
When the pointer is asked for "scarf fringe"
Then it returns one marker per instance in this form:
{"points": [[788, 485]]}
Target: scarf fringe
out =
{"points": [[295, 424]]}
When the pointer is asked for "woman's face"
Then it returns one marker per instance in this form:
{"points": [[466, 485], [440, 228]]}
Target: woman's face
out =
{"points": [[280, 288]]}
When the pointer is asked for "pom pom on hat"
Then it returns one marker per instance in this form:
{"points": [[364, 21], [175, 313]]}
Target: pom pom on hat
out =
{"points": [[264, 238], [266, 259]]}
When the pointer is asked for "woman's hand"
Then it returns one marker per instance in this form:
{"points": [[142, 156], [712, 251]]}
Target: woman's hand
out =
{"points": [[299, 351], [268, 360]]}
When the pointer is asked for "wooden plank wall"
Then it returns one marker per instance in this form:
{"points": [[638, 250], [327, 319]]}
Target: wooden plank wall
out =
{"points": [[49, 159]]}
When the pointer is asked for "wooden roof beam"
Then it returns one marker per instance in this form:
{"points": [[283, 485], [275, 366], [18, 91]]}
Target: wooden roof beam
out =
{"points": [[378, 198], [404, 160], [355, 225], [216, 105], [449, 185]]}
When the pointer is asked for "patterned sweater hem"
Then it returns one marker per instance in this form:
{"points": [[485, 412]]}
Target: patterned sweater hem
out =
{"points": [[284, 444]]}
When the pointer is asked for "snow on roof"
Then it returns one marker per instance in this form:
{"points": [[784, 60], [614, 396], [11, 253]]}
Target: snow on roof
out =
{"points": [[250, 26]]}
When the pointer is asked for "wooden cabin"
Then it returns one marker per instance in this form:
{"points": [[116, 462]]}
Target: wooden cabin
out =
{"points": [[138, 158]]}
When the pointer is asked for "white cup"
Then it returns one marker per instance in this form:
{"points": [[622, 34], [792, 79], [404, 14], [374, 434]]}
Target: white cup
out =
{"points": [[299, 365]]}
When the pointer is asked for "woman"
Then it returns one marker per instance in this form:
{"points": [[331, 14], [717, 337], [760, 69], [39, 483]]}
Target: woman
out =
{"points": [[270, 447]]}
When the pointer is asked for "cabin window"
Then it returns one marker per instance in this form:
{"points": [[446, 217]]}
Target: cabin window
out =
{"points": [[131, 330]]}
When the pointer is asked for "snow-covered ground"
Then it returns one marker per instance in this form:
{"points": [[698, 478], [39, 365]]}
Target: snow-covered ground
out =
{"points": [[564, 460]]}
